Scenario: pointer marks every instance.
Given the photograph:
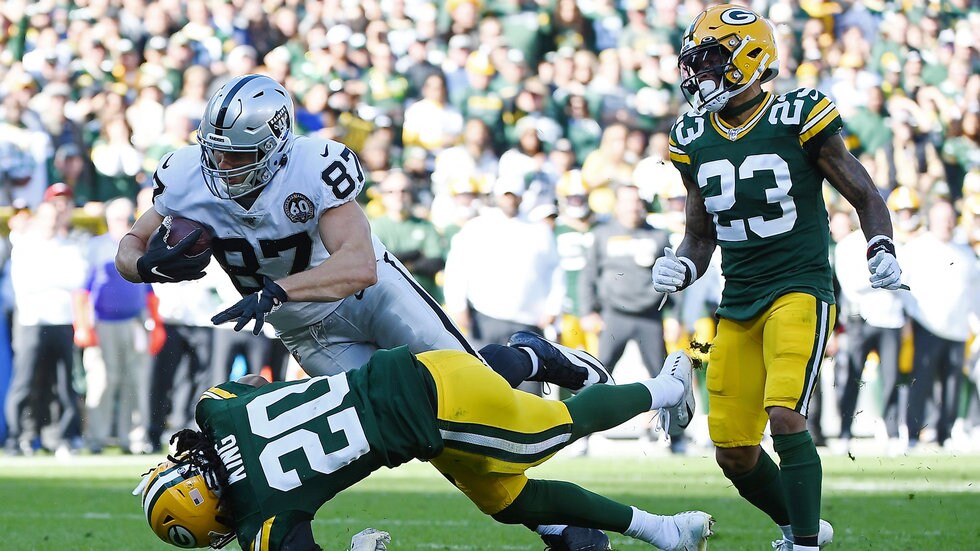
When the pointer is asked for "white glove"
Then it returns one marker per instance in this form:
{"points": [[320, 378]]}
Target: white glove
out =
{"points": [[370, 539], [672, 273], [885, 271]]}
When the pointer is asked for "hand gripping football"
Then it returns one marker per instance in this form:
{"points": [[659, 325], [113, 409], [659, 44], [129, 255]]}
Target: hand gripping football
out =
{"points": [[177, 228]]}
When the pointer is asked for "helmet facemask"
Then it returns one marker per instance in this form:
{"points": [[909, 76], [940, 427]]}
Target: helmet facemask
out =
{"points": [[706, 70], [240, 180]]}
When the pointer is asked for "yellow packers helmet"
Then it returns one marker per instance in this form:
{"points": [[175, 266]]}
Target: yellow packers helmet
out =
{"points": [[573, 195], [725, 50], [903, 197], [181, 508]]}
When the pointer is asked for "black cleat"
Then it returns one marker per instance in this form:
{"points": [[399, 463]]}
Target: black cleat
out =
{"points": [[561, 365], [578, 539]]}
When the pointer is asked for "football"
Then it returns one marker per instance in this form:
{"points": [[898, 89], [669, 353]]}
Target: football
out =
{"points": [[177, 228]]}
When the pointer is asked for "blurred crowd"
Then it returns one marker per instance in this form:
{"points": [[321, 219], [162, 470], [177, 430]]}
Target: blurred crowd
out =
{"points": [[515, 156]]}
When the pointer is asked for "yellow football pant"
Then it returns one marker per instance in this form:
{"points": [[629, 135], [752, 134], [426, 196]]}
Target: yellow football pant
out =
{"points": [[770, 360], [492, 432]]}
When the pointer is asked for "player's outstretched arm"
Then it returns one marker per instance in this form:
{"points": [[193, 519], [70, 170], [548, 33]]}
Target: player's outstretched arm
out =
{"points": [[849, 177], [351, 267], [133, 245]]}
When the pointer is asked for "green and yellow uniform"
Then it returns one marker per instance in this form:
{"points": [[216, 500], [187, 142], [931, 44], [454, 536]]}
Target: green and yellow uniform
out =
{"points": [[291, 447], [573, 247], [761, 184]]}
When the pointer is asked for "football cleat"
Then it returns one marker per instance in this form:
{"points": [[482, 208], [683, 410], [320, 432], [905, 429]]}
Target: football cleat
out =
{"points": [[694, 528], [573, 538], [824, 538], [561, 365], [678, 365]]}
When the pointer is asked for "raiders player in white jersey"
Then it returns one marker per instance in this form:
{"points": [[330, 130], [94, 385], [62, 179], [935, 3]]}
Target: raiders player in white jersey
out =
{"points": [[286, 222], [285, 227]]}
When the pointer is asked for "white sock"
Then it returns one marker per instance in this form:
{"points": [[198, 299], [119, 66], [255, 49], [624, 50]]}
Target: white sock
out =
{"points": [[551, 529], [665, 391], [654, 529], [797, 547], [534, 361], [787, 532]]}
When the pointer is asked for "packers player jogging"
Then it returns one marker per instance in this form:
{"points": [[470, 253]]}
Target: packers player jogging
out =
{"points": [[269, 456], [754, 164]]}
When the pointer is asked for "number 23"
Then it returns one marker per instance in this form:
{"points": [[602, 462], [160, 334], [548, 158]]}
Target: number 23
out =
{"points": [[725, 171]]}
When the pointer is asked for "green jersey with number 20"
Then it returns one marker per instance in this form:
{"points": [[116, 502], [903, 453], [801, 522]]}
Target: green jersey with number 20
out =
{"points": [[290, 447], [761, 184]]}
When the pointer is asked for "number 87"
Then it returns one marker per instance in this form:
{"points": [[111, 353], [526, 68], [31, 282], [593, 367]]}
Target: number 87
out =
{"points": [[339, 179]]}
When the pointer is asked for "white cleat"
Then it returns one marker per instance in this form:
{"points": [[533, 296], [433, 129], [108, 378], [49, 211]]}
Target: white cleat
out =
{"points": [[679, 366], [824, 538], [695, 528]]}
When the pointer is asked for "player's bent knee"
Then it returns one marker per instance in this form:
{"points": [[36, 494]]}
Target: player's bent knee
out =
{"points": [[785, 421], [737, 461], [522, 508]]}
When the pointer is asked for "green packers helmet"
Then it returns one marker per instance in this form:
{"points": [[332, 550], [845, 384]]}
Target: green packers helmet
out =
{"points": [[181, 508], [725, 50]]}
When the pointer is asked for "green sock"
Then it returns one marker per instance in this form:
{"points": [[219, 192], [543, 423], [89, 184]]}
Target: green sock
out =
{"points": [[802, 478], [558, 502], [762, 487], [602, 407]]}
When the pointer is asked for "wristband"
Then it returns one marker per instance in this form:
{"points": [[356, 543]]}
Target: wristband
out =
{"points": [[880, 243], [691, 275]]}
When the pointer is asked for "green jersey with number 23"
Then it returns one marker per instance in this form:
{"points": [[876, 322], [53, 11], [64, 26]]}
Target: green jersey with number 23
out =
{"points": [[762, 186]]}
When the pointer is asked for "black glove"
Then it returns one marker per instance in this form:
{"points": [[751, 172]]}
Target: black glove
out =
{"points": [[164, 264], [254, 306]]}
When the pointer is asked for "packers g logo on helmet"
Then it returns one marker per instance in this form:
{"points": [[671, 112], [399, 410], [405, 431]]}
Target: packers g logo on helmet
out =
{"points": [[724, 51], [181, 509]]}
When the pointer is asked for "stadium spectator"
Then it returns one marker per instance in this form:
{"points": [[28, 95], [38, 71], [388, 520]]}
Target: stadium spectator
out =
{"points": [[872, 321], [432, 123], [502, 273], [413, 240], [944, 277], [28, 144], [615, 293], [118, 164], [47, 266], [110, 317]]}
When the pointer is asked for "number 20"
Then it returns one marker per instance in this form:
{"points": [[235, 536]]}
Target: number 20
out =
{"points": [[283, 439], [724, 170]]}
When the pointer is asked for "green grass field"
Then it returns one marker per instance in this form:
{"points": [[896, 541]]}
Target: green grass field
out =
{"points": [[920, 502]]}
